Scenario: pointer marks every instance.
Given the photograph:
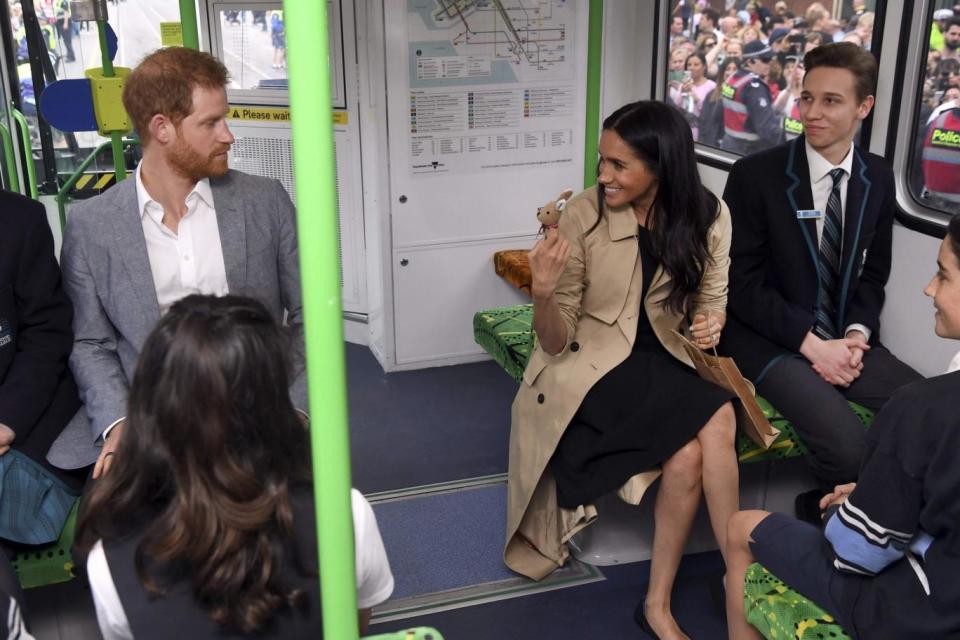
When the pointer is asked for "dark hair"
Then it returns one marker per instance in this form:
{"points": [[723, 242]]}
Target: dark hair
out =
{"points": [[205, 468], [682, 210], [164, 81], [711, 13], [953, 230], [846, 55], [697, 54], [954, 22]]}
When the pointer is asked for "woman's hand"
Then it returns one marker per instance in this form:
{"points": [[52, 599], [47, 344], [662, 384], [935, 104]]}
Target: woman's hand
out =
{"points": [[706, 328], [548, 259]]}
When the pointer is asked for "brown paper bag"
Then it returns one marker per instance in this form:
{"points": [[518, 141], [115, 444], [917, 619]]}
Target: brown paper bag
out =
{"points": [[723, 372]]}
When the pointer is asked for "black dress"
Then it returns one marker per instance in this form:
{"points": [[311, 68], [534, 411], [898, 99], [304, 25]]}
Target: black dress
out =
{"points": [[637, 416]]}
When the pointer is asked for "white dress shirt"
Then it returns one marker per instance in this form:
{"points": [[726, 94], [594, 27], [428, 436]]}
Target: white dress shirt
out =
{"points": [[374, 578], [821, 184], [189, 260]]}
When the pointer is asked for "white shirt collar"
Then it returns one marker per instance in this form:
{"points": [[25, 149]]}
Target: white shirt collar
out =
{"points": [[820, 167], [201, 189]]}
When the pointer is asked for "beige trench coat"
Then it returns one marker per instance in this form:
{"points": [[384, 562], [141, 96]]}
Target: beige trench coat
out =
{"points": [[599, 304]]}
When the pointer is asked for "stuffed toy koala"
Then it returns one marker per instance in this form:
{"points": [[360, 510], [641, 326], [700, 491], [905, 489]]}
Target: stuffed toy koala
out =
{"points": [[549, 214]]}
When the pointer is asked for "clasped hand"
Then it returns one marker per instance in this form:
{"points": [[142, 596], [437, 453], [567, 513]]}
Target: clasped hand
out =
{"points": [[838, 496], [839, 361]]}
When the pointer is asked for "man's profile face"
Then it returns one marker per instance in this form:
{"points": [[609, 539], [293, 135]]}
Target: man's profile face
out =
{"points": [[203, 138], [829, 108]]}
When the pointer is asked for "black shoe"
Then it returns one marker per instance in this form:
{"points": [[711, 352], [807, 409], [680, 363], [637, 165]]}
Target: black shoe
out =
{"points": [[641, 619], [807, 507]]}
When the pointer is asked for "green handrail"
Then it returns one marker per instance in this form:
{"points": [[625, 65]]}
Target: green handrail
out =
{"points": [[314, 170], [594, 73], [116, 138], [188, 24], [72, 180], [27, 152], [8, 158]]}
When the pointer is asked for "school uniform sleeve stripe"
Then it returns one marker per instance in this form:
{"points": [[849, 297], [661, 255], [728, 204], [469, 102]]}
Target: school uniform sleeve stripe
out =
{"points": [[858, 519], [856, 551]]}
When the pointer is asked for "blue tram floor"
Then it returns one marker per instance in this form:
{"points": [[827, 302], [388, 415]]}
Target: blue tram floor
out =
{"points": [[412, 428], [599, 610]]}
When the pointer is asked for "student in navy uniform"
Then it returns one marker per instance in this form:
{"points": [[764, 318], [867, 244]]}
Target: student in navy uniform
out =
{"points": [[37, 394], [812, 235], [886, 566], [750, 123], [205, 525]]}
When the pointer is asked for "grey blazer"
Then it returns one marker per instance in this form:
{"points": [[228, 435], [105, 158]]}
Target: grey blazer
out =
{"points": [[106, 273]]}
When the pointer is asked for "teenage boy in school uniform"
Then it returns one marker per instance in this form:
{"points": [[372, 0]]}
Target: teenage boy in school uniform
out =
{"points": [[810, 256]]}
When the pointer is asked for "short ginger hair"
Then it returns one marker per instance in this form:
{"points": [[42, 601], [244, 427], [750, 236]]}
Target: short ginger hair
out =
{"points": [[164, 81]]}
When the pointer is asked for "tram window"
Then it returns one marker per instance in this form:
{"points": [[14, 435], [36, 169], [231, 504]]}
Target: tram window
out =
{"points": [[707, 39], [934, 166], [253, 45]]}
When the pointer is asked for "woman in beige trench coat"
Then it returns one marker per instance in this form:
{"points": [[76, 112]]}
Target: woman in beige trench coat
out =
{"points": [[588, 290]]}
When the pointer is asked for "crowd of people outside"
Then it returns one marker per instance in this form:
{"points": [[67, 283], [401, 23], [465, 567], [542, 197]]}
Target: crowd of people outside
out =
{"points": [[737, 73], [936, 176]]}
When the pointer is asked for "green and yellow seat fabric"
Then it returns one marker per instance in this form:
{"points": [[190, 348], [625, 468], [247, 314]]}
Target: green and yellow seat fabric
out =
{"points": [[506, 333], [780, 613]]}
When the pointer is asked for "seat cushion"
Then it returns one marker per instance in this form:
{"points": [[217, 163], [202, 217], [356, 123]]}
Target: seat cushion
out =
{"points": [[780, 613]]}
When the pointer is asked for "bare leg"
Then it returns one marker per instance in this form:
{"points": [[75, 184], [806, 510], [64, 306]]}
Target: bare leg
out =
{"points": [[721, 475], [738, 557], [677, 501]]}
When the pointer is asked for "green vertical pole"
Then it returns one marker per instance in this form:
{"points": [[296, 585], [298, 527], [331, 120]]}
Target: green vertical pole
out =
{"points": [[13, 179], [594, 71], [27, 152], [188, 24], [116, 138], [314, 171]]}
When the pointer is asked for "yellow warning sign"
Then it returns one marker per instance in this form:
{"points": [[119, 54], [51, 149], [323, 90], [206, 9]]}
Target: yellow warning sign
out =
{"points": [[275, 114], [259, 114], [171, 34]]}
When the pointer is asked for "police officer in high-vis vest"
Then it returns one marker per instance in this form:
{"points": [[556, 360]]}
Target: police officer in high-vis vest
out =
{"points": [[750, 123], [941, 156]]}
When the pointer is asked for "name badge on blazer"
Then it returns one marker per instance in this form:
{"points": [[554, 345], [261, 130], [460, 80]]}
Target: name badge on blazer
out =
{"points": [[809, 214]]}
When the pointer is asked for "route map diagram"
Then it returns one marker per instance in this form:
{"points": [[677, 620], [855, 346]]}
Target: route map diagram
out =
{"points": [[458, 42]]}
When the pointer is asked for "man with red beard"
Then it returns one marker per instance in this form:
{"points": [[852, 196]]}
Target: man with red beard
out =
{"points": [[184, 224]]}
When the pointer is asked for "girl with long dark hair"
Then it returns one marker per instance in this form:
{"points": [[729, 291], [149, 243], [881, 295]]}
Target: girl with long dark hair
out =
{"points": [[204, 526], [609, 394]]}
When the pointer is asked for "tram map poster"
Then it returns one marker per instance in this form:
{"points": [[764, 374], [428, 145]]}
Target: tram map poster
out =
{"points": [[491, 85]]}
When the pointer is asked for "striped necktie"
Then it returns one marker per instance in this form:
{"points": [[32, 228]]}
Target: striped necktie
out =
{"points": [[829, 266]]}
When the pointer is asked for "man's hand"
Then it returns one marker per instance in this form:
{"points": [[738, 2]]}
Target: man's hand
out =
{"points": [[110, 445], [832, 359], [857, 350], [838, 496], [6, 438], [706, 328], [548, 259]]}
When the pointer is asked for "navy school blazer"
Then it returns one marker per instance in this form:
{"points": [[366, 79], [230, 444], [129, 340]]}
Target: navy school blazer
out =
{"points": [[773, 271]]}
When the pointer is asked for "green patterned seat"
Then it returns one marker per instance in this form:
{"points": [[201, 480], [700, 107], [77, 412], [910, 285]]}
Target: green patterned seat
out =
{"points": [[780, 613], [506, 333], [50, 563]]}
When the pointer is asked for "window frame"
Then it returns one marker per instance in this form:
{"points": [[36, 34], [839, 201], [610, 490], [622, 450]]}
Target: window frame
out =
{"points": [[911, 69]]}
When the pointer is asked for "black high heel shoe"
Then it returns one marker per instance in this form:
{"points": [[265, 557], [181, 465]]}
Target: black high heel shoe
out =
{"points": [[640, 617]]}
